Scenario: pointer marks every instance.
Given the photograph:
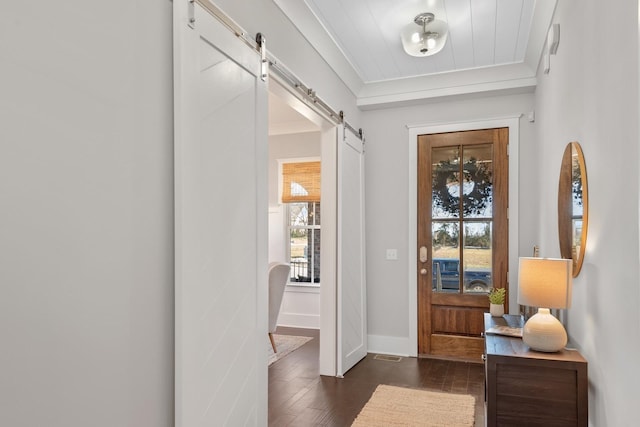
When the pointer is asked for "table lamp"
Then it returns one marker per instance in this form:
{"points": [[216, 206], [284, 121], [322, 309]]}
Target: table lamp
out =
{"points": [[544, 283]]}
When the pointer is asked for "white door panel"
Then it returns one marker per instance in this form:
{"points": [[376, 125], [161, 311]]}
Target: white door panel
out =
{"points": [[352, 315], [220, 208]]}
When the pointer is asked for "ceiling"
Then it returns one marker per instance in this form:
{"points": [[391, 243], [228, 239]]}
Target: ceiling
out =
{"points": [[285, 119], [493, 46], [482, 33]]}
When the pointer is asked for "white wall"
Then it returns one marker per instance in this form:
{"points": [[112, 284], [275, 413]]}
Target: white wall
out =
{"points": [[86, 187], [387, 200], [591, 96], [301, 304]]}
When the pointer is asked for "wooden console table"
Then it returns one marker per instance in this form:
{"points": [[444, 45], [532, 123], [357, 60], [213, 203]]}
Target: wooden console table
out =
{"points": [[530, 388]]}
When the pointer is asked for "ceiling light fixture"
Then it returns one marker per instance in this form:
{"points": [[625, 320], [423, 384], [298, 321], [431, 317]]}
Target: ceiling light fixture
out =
{"points": [[428, 40]]}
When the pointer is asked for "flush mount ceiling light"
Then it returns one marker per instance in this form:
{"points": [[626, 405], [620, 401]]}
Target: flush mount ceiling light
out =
{"points": [[426, 40]]}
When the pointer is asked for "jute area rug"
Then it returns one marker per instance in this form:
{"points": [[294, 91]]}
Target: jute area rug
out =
{"points": [[398, 406], [285, 344]]}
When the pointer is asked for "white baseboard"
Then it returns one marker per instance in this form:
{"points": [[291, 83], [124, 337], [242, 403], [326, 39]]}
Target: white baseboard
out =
{"points": [[396, 346], [297, 320]]}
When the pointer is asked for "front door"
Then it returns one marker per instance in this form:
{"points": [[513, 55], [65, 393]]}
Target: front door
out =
{"points": [[462, 237]]}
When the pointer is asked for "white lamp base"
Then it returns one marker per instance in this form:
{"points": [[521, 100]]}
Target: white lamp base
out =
{"points": [[543, 332]]}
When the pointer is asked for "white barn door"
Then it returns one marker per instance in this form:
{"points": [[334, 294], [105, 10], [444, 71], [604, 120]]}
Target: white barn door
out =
{"points": [[220, 225], [352, 296]]}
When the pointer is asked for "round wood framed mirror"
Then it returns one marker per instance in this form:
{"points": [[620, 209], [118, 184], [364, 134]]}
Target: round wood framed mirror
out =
{"points": [[573, 206]]}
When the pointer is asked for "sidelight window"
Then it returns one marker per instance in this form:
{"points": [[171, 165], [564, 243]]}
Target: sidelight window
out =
{"points": [[301, 194]]}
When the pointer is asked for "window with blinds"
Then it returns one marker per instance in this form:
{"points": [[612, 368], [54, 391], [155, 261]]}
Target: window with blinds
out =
{"points": [[300, 182], [301, 195]]}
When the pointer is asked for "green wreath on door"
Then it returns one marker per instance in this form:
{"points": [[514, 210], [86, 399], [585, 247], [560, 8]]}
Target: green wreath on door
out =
{"points": [[476, 175]]}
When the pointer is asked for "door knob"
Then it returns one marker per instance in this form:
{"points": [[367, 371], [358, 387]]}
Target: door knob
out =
{"points": [[423, 271]]}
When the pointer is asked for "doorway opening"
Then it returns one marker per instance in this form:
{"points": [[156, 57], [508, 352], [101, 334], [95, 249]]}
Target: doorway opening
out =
{"points": [[342, 296], [298, 133]]}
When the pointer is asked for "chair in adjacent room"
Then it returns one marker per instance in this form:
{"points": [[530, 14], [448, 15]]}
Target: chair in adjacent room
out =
{"points": [[278, 276]]}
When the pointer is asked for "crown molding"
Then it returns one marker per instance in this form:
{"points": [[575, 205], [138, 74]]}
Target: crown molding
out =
{"points": [[487, 81]]}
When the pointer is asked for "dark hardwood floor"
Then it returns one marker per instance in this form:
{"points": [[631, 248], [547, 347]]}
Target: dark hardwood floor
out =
{"points": [[298, 396]]}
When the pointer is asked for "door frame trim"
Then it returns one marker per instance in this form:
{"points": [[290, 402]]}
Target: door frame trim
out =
{"points": [[328, 353], [511, 122]]}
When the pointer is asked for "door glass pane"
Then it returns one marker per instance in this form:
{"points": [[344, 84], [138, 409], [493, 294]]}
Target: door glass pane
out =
{"points": [[477, 181], [477, 256], [462, 186], [446, 258], [445, 182]]}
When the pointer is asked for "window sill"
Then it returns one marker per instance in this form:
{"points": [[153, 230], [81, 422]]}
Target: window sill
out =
{"points": [[302, 287]]}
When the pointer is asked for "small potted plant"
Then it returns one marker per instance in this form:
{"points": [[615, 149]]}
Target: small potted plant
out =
{"points": [[496, 300]]}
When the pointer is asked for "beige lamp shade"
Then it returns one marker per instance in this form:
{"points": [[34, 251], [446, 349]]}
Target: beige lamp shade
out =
{"points": [[545, 282]]}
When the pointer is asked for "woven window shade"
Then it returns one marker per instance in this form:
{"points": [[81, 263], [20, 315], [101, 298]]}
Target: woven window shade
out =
{"points": [[301, 182]]}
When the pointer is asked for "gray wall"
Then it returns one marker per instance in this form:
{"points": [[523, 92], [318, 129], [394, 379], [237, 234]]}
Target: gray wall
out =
{"points": [[86, 214], [591, 96], [86, 186], [387, 197]]}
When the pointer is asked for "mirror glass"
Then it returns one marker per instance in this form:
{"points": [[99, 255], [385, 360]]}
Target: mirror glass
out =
{"points": [[573, 206]]}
